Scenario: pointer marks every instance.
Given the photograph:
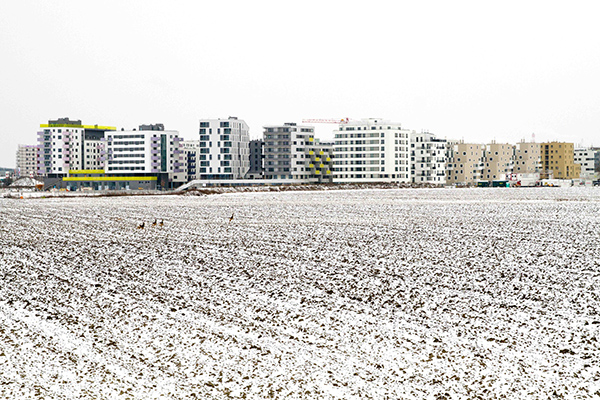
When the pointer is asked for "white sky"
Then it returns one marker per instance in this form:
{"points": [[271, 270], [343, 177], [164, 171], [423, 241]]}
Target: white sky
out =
{"points": [[477, 70]]}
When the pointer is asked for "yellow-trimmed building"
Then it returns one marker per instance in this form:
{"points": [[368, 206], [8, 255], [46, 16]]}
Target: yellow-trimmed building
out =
{"points": [[97, 179]]}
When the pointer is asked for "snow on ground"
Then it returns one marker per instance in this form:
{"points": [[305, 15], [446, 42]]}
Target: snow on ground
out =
{"points": [[410, 294]]}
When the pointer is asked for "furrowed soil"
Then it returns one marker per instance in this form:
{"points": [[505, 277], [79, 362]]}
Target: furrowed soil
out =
{"points": [[409, 294]]}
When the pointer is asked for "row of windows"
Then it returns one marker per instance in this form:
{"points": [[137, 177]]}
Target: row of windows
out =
{"points": [[129, 155], [126, 162], [362, 155], [225, 144], [359, 162], [126, 143], [126, 137], [125, 168], [128, 149], [371, 176]]}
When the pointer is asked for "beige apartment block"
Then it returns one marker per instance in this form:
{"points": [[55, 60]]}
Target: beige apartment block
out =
{"points": [[498, 161], [558, 161], [528, 158], [464, 165]]}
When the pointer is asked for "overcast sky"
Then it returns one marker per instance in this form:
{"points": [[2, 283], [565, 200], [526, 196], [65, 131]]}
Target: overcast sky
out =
{"points": [[476, 71]]}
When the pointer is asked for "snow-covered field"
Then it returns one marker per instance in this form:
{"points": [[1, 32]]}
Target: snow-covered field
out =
{"points": [[379, 294]]}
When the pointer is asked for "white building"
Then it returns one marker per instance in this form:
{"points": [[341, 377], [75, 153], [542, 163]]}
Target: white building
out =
{"points": [[27, 156], [149, 151], [284, 151], [66, 145], [191, 155], [93, 149], [291, 152], [427, 159], [585, 158], [371, 150], [224, 149]]}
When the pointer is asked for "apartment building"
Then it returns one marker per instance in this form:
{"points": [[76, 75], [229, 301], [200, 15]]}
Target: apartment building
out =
{"points": [[257, 160], [149, 151], [558, 161], [528, 158], [27, 160], [464, 163], [66, 145], [371, 150], [286, 151], [498, 162], [319, 156], [596, 159], [224, 149], [585, 158], [427, 159], [191, 157]]}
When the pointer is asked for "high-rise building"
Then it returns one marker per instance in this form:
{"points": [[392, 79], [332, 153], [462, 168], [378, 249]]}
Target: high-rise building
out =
{"points": [[291, 152], [285, 151], [498, 162], [558, 161], [464, 163], [319, 156], [27, 160], [224, 149], [191, 156], [371, 150], [257, 159], [427, 159], [66, 145], [150, 151]]}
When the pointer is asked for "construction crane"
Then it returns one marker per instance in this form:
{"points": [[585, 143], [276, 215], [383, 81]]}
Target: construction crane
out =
{"points": [[325, 121]]}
